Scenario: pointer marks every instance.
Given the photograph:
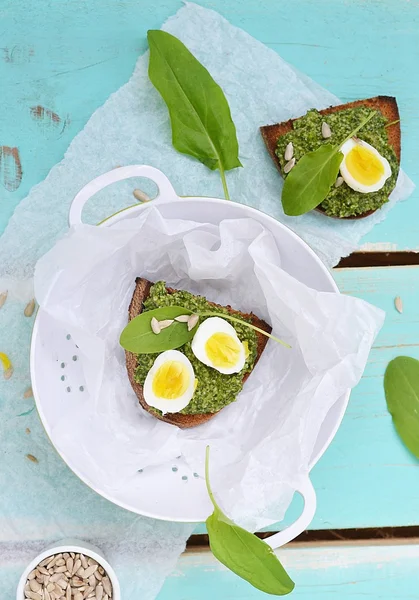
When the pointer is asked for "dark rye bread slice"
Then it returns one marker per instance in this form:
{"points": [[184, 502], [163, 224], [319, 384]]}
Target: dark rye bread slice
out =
{"points": [[387, 105], [141, 292]]}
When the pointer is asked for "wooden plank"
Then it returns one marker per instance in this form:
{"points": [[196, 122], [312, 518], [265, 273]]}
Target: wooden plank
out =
{"points": [[59, 62], [367, 478], [348, 572]]}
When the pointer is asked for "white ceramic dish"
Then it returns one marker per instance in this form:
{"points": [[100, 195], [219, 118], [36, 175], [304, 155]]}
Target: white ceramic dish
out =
{"points": [[161, 493], [78, 547]]}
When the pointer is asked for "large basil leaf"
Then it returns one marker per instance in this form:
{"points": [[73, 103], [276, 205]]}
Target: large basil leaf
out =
{"points": [[199, 112], [244, 553], [401, 386], [308, 185], [139, 338]]}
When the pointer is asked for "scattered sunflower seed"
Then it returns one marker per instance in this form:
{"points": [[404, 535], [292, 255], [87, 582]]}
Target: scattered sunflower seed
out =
{"points": [[289, 151], [3, 298], [29, 309], [182, 318], [339, 182], [141, 196], [398, 304], [290, 164], [326, 131], [165, 323], [35, 460], [155, 326], [192, 321]]}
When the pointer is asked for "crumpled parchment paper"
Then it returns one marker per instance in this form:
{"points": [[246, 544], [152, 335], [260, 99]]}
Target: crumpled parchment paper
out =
{"points": [[86, 282]]}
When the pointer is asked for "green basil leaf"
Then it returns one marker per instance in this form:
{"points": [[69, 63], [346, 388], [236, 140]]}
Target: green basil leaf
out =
{"points": [[139, 338], [247, 556], [401, 386], [244, 553], [309, 182], [199, 112], [307, 186]]}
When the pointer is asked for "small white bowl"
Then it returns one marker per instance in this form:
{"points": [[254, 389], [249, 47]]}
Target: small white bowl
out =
{"points": [[78, 547]]}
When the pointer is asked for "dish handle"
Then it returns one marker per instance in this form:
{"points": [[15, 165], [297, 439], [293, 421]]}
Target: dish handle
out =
{"points": [[165, 188], [305, 488]]}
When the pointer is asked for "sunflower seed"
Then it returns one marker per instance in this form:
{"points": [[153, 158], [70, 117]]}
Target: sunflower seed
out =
{"points": [[289, 151], [83, 561], [50, 587], [66, 555], [339, 182], [99, 592], [98, 575], [141, 196], [61, 569], [70, 564], [107, 585], [93, 580], [77, 582], [32, 575], [29, 309], [89, 590], [34, 585], [192, 321], [76, 566], [41, 568], [62, 583], [41, 578], [182, 318], [73, 556], [3, 298], [58, 590], [80, 572], [326, 131], [165, 323], [290, 164], [51, 563], [101, 570], [33, 458], [91, 561], [89, 571], [155, 325], [398, 304], [8, 373], [68, 593], [33, 595], [56, 577]]}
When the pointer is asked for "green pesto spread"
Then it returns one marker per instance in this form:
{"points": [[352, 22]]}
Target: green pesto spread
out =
{"points": [[214, 390], [306, 136]]}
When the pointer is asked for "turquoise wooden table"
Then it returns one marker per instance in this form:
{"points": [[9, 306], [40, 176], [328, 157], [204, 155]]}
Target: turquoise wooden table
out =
{"points": [[60, 61]]}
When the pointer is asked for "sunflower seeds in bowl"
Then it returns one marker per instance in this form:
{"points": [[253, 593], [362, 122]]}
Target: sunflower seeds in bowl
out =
{"points": [[73, 573]]}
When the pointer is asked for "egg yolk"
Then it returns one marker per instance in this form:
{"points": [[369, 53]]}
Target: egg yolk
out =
{"points": [[222, 350], [364, 166], [171, 380]]}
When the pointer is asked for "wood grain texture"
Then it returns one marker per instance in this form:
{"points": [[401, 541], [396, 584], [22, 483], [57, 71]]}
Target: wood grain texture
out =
{"points": [[70, 56], [347, 572]]}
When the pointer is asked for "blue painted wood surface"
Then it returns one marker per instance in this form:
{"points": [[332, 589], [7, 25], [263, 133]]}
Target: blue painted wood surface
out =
{"points": [[67, 57], [357, 572]]}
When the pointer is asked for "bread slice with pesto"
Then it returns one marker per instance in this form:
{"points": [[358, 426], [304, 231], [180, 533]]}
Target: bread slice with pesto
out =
{"points": [[182, 420], [386, 105]]}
